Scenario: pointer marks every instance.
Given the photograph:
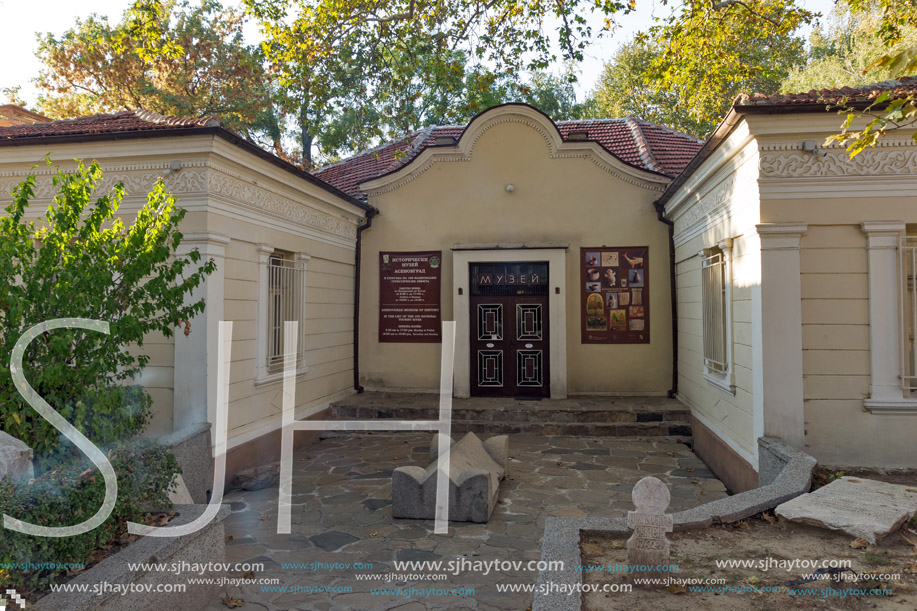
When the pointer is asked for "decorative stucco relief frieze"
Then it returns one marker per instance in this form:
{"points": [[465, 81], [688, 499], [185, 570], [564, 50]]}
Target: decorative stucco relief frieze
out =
{"points": [[247, 193], [137, 180], [198, 178], [871, 162], [713, 201]]}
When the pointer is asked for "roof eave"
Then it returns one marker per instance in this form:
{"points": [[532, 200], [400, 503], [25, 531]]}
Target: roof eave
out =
{"points": [[719, 134], [189, 131], [368, 184]]}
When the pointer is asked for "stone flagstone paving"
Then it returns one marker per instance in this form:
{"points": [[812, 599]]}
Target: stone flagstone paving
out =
{"points": [[342, 514]]}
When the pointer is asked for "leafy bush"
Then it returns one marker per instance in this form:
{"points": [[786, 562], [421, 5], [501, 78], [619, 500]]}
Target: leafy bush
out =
{"points": [[72, 493], [80, 260]]}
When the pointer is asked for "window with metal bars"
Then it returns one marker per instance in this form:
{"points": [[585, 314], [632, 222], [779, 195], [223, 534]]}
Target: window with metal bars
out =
{"points": [[285, 303], [907, 311], [713, 295]]}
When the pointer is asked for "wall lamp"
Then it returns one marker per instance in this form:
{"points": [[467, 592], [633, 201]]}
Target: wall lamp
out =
{"points": [[812, 147]]}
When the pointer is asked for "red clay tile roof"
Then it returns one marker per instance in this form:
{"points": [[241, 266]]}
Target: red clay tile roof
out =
{"points": [[865, 93], [634, 141], [127, 121], [142, 123]]}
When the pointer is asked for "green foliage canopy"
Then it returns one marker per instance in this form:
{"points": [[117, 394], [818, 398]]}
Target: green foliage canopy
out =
{"points": [[389, 65], [82, 261], [167, 57]]}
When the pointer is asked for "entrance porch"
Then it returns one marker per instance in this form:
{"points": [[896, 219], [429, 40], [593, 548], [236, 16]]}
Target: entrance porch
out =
{"points": [[631, 417]]}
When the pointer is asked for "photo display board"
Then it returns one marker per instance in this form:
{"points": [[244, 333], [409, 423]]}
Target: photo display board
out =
{"points": [[615, 289], [409, 296]]}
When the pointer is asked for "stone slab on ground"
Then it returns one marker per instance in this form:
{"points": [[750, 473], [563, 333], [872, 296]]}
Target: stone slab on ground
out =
{"points": [[15, 459], [864, 508]]}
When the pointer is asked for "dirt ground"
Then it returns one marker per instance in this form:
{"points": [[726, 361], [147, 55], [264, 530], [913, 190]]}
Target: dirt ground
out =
{"points": [[765, 541]]}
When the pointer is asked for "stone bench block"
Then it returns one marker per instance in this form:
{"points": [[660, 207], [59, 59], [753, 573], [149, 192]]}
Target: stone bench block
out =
{"points": [[475, 471]]}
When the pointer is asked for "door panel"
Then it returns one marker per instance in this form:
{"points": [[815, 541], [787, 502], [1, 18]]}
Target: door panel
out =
{"points": [[509, 333]]}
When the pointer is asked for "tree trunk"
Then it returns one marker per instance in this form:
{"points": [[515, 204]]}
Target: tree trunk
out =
{"points": [[306, 139]]}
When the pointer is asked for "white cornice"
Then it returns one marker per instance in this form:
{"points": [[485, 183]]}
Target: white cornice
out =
{"points": [[730, 155], [796, 145], [558, 149]]}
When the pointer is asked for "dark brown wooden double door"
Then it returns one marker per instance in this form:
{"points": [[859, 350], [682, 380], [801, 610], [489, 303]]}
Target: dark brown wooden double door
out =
{"points": [[509, 329]]}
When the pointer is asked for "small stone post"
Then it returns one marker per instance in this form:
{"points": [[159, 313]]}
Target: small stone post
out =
{"points": [[648, 547]]}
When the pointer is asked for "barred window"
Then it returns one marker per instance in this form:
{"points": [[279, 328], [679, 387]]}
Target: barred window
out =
{"points": [[713, 292], [281, 299], [716, 308]]}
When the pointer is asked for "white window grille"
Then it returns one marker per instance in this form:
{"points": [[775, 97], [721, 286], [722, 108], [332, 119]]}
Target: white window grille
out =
{"points": [[907, 309], [285, 303], [716, 308]]}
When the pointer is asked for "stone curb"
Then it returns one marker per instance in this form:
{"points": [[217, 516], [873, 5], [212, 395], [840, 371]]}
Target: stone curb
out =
{"points": [[191, 447], [787, 471], [205, 545]]}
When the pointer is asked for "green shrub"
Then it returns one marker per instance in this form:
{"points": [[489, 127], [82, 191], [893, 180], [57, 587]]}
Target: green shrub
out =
{"points": [[81, 260], [71, 493]]}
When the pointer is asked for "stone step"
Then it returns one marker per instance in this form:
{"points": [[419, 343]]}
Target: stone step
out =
{"points": [[631, 417], [521, 414], [591, 429], [674, 428]]}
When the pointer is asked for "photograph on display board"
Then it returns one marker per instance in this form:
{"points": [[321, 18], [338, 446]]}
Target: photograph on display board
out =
{"points": [[593, 258], [636, 297], [636, 311], [610, 278], [612, 301], [635, 277], [610, 258], [595, 313], [624, 299], [593, 274], [593, 287], [618, 320]]}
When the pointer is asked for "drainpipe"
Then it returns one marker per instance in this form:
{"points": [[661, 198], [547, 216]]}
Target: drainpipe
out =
{"points": [[356, 298], [660, 214]]}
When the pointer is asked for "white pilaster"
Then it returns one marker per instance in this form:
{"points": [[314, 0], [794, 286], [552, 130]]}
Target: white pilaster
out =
{"points": [[195, 368], [261, 347], [781, 337]]}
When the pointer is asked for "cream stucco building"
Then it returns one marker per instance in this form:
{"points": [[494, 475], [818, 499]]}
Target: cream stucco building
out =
{"points": [[795, 285], [760, 278], [512, 190], [270, 228]]}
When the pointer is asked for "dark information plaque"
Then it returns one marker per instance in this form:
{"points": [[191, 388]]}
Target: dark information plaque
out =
{"points": [[409, 296], [615, 287]]}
